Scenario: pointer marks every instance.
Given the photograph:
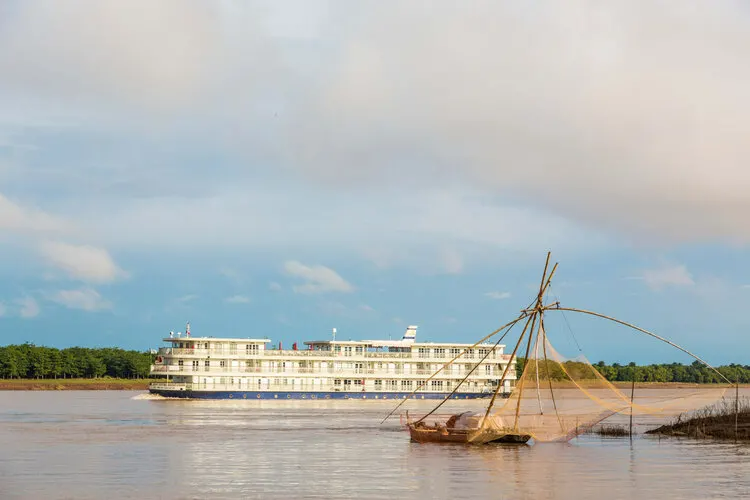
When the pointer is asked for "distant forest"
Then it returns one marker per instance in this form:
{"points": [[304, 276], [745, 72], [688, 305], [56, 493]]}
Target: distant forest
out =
{"points": [[36, 362], [673, 372]]}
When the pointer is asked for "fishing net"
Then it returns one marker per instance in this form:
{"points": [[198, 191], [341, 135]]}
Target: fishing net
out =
{"points": [[557, 398]]}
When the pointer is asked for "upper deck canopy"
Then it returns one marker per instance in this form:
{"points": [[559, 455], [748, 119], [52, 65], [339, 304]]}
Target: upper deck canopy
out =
{"points": [[213, 339], [395, 343]]}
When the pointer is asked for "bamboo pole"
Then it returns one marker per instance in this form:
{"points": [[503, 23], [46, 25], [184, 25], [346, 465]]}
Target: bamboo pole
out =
{"points": [[539, 308], [523, 379], [459, 384], [536, 370], [538, 301], [736, 406], [625, 323], [507, 367], [546, 370], [507, 325]]}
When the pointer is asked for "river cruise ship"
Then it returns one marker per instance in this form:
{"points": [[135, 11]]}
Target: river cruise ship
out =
{"points": [[237, 368]]}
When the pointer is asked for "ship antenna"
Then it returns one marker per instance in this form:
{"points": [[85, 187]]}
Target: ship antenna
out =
{"points": [[334, 334]]}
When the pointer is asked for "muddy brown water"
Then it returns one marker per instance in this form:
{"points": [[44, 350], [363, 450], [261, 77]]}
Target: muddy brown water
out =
{"points": [[121, 444]]}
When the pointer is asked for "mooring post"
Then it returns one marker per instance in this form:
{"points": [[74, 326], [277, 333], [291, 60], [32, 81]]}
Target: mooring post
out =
{"points": [[736, 404], [632, 393]]}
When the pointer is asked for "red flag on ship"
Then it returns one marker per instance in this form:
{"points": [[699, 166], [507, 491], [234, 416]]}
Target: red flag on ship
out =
{"points": [[294, 346]]}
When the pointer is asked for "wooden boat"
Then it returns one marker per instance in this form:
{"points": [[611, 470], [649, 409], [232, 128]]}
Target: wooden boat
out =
{"points": [[424, 433]]}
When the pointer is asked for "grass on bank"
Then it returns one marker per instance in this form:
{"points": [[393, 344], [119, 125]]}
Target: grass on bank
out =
{"points": [[610, 430], [716, 421], [101, 383]]}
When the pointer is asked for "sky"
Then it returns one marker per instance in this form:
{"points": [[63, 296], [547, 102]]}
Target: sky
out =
{"points": [[281, 168]]}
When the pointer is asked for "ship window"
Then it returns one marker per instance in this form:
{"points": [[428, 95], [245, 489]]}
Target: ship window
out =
{"points": [[488, 369], [406, 384], [424, 352], [455, 352], [440, 353], [347, 351], [359, 350], [251, 349], [347, 382], [222, 363], [337, 382], [378, 385]]}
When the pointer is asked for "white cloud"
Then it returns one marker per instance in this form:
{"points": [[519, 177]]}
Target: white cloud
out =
{"points": [[29, 307], [274, 287], [524, 118], [86, 299], [156, 56], [669, 275], [318, 279], [398, 223], [83, 262], [497, 295], [186, 298], [452, 262], [15, 218], [231, 274], [238, 299], [593, 109]]}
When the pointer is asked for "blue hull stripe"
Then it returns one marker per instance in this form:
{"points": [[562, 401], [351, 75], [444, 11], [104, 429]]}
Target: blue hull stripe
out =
{"points": [[188, 394]]}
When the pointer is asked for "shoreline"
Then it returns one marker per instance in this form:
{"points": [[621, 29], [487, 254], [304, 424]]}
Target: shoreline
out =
{"points": [[124, 384], [75, 384]]}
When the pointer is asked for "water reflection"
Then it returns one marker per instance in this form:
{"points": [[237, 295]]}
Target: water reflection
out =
{"points": [[98, 444]]}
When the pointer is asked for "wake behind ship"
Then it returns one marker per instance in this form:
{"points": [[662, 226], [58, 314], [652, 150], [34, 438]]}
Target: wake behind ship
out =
{"points": [[236, 368]]}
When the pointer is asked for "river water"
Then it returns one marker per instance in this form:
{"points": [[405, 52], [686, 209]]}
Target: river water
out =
{"points": [[121, 444]]}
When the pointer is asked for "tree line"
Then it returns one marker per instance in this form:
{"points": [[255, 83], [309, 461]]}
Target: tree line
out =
{"points": [[696, 372], [30, 361]]}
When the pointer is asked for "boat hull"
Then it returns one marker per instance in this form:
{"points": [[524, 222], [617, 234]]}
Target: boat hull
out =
{"points": [[298, 395], [433, 435]]}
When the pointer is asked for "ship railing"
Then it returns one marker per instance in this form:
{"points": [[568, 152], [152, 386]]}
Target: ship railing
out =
{"points": [[337, 354], [169, 368], [240, 354], [289, 373], [270, 387]]}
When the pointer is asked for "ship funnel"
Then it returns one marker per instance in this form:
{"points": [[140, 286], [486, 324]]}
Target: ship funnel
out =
{"points": [[411, 334]]}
